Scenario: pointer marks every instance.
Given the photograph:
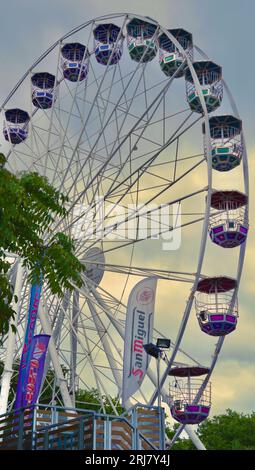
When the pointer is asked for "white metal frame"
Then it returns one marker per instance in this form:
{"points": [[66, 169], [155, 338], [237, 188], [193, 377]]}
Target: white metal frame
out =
{"points": [[95, 298]]}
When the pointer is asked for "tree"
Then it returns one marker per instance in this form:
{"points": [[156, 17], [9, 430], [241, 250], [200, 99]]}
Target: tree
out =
{"points": [[28, 207], [90, 400], [180, 444], [228, 431]]}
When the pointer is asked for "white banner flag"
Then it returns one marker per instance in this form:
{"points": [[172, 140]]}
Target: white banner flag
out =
{"points": [[138, 331]]}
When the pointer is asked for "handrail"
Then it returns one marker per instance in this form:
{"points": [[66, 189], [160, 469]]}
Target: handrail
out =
{"points": [[32, 410], [98, 415]]}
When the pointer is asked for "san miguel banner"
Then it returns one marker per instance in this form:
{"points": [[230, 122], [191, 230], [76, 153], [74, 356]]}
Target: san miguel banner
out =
{"points": [[138, 331], [35, 294], [33, 378]]}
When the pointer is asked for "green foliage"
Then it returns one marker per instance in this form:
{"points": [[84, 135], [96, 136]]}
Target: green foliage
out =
{"points": [[90, 400], [28, 207], [228, 431], [180, 444], [109, 409]]}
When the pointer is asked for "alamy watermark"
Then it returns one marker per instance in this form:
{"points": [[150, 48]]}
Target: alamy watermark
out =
{"points": [[127, 223]]}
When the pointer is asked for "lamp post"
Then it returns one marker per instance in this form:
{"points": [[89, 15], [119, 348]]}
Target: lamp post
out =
{"points": [[155, 350]]}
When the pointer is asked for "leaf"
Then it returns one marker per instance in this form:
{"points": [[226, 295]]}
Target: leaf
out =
{"points": [[28, 206]]}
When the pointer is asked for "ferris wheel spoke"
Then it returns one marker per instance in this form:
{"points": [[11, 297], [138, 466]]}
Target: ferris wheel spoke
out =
{"points": [[151, 105], [10, 346], [139, 127], [120, 329], [55, 359], [81, 120], [60, 153], [57, 325], [142, 170], [90, 183], [73, 355], [110, 177], [61, 311], [158, 164], [101, 119], [159, 231], [170, 229], [99, 381], [75, 334], [73, 103], [89, 113], [137, 141], [94, 370], [52, 108], [161, 192], [141, 271], [123, 107], [106, 346]]}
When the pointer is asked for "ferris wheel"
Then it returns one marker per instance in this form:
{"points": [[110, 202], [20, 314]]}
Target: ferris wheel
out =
{"points": [[136, 125]]}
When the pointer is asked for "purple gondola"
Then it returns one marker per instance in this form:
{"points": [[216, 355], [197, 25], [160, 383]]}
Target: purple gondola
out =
{"points": [[16, 125], [108, 43], [228, 225], [43, 84], [75, 59], [187, 407], [216, 306]]}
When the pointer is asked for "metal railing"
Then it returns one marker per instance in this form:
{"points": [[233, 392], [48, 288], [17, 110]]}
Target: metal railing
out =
{"points": [[45, 427]]}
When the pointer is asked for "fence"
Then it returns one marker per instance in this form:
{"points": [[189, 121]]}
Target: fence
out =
{"points": [[44, 427]]}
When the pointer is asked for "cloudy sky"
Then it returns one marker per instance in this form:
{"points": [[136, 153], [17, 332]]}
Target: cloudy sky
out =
{"points": [[224, 29]]}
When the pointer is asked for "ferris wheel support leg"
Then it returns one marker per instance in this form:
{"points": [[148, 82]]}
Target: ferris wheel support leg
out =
{"points": [[55, 360], [56, 333], [10, 349], [73, 361], [194, 437], [107, 348]]}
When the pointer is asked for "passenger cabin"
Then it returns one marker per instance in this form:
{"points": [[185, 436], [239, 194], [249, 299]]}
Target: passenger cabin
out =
{"points": [[74, 61], [15, 128], [171, 57], [186, 404], [43, 90], [209, 76], [226, 142], [228, 224], [216, 306], [108, 43], [142, 40]]}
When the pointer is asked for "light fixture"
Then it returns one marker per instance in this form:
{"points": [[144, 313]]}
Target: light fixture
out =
{"points": [[152, 350], [163, 343]]}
